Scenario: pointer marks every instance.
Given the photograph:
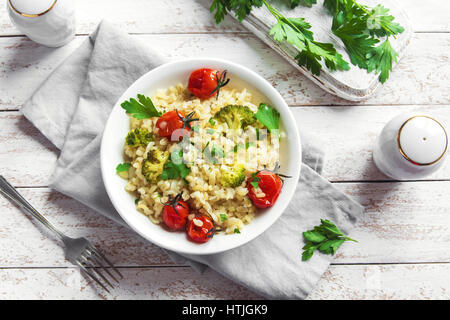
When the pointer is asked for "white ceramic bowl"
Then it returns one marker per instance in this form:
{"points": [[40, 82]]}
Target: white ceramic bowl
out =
{"points": [[118, 126]]}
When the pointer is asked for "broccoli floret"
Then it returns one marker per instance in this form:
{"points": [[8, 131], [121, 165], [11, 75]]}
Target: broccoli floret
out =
{"points": [[235, 116], [153, 166], [138, 137], [232, 176]]}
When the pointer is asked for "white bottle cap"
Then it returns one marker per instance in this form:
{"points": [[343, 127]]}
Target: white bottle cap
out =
{"points": [[31, 7], [422, 140]]}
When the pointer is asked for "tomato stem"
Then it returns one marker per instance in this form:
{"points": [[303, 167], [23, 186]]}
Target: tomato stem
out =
{"points": [[221, 82], [187, 120], [174, 201]]}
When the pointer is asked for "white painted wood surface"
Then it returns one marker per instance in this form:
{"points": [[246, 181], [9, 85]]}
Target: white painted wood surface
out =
{"points": [[404, 234], [418, 281], [421, 77]]}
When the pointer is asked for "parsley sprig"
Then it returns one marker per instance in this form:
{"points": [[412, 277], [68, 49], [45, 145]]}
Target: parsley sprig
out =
{"points": [[142, 109], [268, 116], [292, 30], [122, 167], [359, 27], [326, 238]]}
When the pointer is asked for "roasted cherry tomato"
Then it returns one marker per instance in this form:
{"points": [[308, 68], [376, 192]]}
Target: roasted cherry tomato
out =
{"points": [[200, 229], [269, 188], [175, 213], [174, 123], [205, 83]]}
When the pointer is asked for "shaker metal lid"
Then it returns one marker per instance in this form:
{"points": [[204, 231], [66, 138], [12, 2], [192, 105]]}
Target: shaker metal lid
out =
{"points": [[33, 8], [422, 140]]}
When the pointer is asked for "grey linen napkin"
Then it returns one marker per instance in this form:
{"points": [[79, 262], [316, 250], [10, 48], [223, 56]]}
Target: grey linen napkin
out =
{"points": [[71, 108]]}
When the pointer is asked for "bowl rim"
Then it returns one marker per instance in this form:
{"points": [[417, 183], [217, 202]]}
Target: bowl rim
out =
{"points": [[294, 138]]}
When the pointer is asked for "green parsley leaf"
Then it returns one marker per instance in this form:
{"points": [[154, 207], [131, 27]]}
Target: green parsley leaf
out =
{"points": [[212, 121], [295, 31], [223, 217], [381, 60], [306, 3], [331, 246], [333, 60], [236, 230], [175, 168], [210, 131], [123, 167], [221, 9], [327, 238], [268, 116], [314, 236], [303, 26], [136, 201], [243, 7], [255, 180], [357, 43], [381, 23], [308, 253], [330, 227], [358, 26], [143, 109]]}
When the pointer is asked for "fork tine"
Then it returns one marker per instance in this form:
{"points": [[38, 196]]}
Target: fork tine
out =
{"points": [[90, 274], [92, 248], [98, 262], [91, 264]]}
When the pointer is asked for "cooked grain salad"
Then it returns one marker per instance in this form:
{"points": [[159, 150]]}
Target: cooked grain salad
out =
{"points": [[202, 157]]}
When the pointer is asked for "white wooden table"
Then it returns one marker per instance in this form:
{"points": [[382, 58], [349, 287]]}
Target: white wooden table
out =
{"points": [[404, 235]]}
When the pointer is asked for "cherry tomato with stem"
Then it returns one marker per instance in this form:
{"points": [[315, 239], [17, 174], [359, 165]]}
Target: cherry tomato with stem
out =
{"points": [[201, 229], [175, 124], [175, 213], [205, 83], [268, 188]]}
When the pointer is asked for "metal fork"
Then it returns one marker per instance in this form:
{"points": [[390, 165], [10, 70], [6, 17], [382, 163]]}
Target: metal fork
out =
{"points": [[79, 251]]}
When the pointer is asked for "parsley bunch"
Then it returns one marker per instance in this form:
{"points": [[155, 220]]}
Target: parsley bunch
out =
{"points": [[292, 30], [326, 238], [358, 26]]}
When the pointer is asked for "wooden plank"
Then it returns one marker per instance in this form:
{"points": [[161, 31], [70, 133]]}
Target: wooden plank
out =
{"points": [[429, 16], [403, 223], [138, 283], [348, 135], [141, 16], [26, 243], [422, 76], [189, 16], [27, 158], [429, 281], [385, 282]]}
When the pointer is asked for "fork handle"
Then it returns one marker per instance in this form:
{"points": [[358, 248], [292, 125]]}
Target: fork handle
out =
{"points": [[11, 193]]}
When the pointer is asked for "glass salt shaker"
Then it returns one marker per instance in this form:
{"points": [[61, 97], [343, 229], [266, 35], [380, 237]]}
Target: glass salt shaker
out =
{"points": [[48, 22], [410, 146]]}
